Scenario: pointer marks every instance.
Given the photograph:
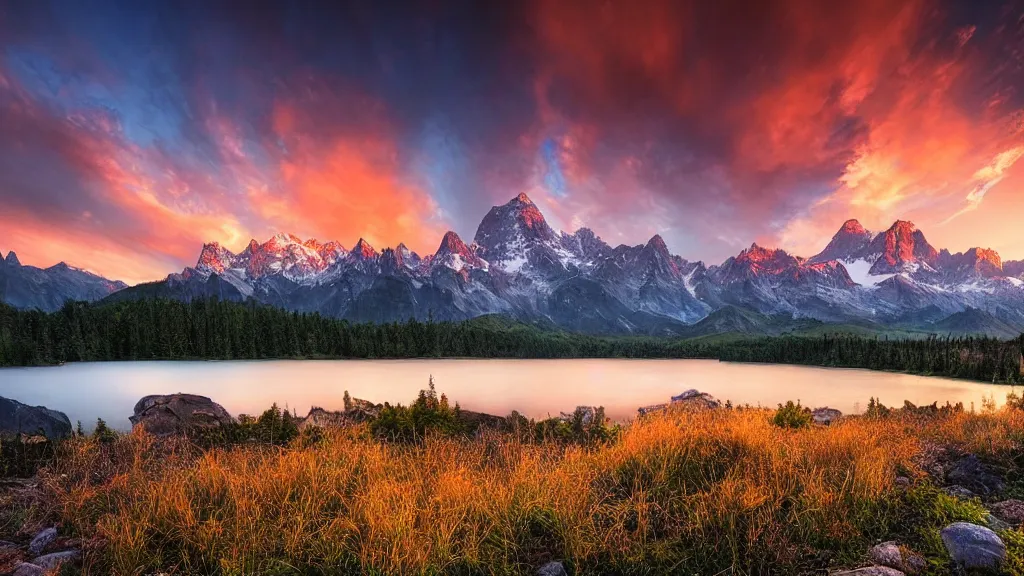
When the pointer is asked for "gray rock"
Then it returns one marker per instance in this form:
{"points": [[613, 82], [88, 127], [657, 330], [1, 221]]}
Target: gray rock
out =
{"points": [[972, 474], [696, 399], [914, 563], [870, 571], [357, 411], [959, 492], [996, 524], [887, 554], [1009, 511], [4, 545], [552, 569], [689, 400], [890, 554], [17, 418], [903, 481], [41, 541], [825, 416], [53, 561], [973, 546], [163, 415], [26, 569]]}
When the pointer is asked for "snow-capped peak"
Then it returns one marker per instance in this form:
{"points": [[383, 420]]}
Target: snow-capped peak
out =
{"points": [[846, 244], [903, 248], [214, 258], [363, 251], [453, 253]]}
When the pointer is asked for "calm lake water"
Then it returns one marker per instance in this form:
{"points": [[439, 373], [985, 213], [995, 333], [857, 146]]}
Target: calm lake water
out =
{"points": [[535, 388]]}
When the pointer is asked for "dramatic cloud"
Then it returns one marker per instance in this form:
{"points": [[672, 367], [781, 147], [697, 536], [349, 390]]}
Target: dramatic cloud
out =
{"points": [[130, 135]]}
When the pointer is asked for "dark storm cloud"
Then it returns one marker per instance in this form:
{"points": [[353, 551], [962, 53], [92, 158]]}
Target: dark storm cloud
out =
{"points": [[712, 123]]}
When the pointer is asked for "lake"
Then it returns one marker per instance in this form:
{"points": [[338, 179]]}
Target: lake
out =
{"points": [[535, 388]]}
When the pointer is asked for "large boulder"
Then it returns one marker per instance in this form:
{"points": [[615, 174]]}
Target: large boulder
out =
{"points": [[17, 418], [163, 415], [973, 547]]}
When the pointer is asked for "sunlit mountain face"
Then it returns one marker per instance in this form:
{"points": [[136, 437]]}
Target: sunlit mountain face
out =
{"points": [[740, 133]]}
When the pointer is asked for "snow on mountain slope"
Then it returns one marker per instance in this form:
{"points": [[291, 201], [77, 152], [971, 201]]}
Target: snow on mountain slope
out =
{"points": [[518, 265]]}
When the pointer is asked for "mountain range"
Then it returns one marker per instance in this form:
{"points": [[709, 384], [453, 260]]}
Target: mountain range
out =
{"points": [[518, 266], [47, 289]]}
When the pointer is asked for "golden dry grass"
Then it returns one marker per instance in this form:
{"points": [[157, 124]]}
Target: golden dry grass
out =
{"points": [[686, 492]]}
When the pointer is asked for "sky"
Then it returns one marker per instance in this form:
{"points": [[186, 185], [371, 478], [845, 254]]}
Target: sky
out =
{"points": [[133, 132]]}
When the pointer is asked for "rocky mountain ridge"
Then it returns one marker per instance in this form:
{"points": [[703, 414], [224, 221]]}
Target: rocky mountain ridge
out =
{"points": [[517, 265]]}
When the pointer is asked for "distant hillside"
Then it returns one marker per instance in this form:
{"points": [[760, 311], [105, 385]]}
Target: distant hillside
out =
{"points": [[974, 321]]}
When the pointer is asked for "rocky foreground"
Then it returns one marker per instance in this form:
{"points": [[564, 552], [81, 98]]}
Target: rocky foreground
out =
{"points": [[976, 486]]}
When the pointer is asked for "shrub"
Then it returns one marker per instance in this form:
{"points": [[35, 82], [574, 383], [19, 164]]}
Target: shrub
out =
{"points": [[102, 432], [792, 416], [427, 415]]}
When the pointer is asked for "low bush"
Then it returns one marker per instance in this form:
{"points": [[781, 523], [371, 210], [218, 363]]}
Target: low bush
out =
{"points": [[792, 415]]}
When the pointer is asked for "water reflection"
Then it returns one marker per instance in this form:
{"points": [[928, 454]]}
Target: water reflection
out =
{"points": [[534, 387]]}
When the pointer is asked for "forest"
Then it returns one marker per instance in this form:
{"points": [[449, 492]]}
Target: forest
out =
{"points": [[156, 329]]}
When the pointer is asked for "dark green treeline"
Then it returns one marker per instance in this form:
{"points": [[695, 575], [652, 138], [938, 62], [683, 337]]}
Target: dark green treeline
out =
{"points": [[212, 329]]}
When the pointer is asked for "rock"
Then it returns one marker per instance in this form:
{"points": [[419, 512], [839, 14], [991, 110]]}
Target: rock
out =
{"points": [[552, 569], [53, 561], [996, 524], [825, 416], [689, 400], [903, 481], [972, 546], [17, 418], [972, 474], [959, 492], [696, 399], [1009, 511], [644, 410], [889, 554], [163, 415], [4, 545], [870, 571], [41, 541], [26, 569], [914, 563]]}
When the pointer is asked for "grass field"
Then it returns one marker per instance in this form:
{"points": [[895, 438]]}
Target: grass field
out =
{"points": [[687, 492]]}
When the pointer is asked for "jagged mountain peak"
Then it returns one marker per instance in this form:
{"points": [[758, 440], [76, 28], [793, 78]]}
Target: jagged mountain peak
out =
{"points": [[522, 198], [511, 230], [363, 250], [853, 226], [758, 253], [846, 244], [452, 243], [453, 253], [214, 258], [12, 259], [975, 263], [658, 243], [903, 248], [283, 240]]}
